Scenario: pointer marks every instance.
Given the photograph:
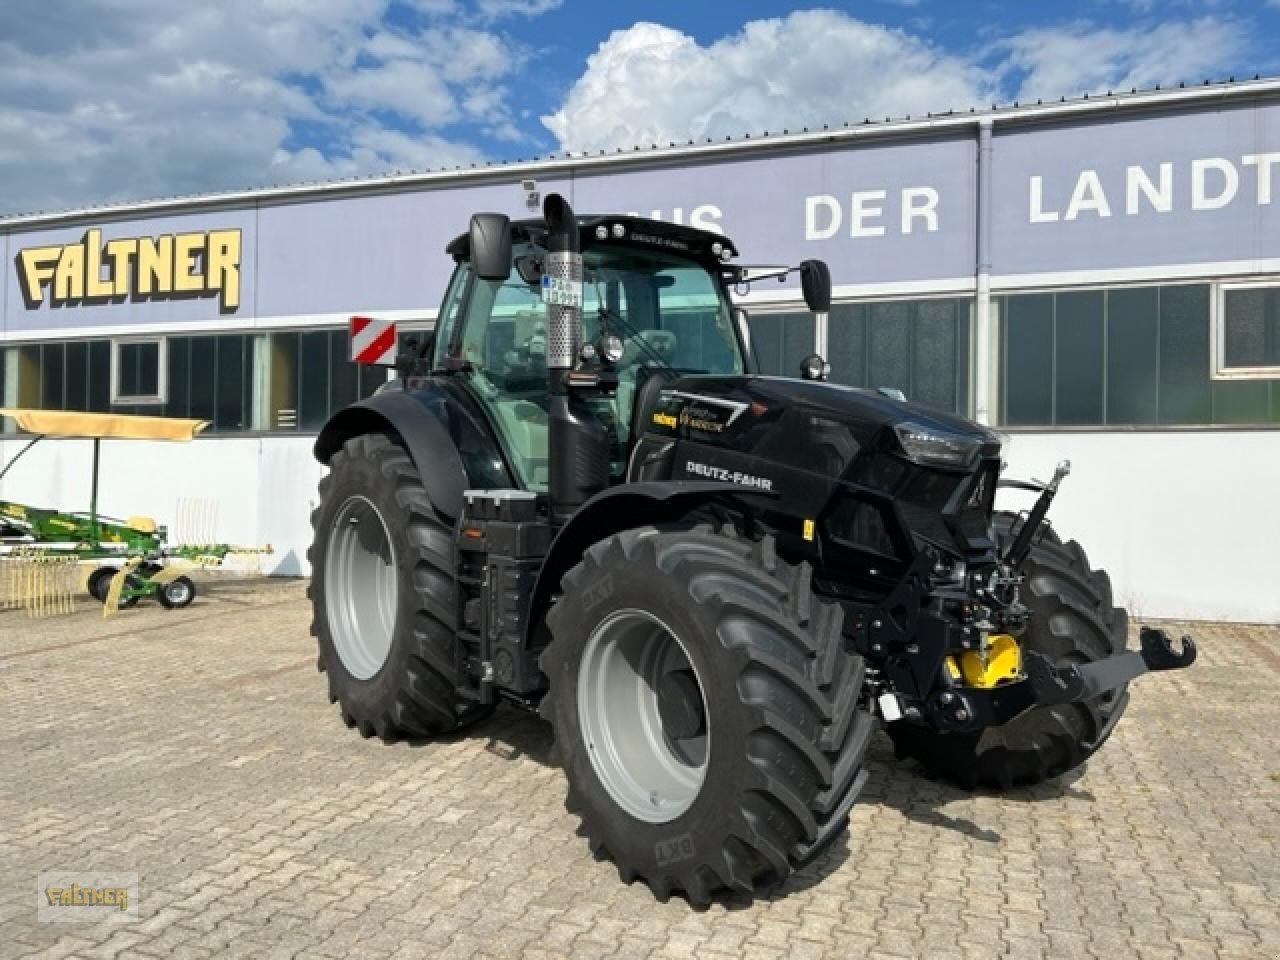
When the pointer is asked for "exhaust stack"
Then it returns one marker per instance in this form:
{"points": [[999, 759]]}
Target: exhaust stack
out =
{"points": [[562, 286], [578, 444]]}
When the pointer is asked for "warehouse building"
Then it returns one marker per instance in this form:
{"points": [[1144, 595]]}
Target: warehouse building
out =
{"points": [[1098, 278]]}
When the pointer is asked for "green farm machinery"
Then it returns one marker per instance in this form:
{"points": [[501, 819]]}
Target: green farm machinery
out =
{"points": [[128, 559]]}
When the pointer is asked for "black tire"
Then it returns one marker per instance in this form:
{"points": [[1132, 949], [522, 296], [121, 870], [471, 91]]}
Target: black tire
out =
{"points": [[177, 593], [1072, 621], [787, 728], [100, 582], [415, 691]]}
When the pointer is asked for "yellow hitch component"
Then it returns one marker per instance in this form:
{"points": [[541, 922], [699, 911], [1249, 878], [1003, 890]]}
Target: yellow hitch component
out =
{"points": [[1000, 661]]}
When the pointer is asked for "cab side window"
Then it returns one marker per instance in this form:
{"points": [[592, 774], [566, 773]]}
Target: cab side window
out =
{"points": [[450, 311]]}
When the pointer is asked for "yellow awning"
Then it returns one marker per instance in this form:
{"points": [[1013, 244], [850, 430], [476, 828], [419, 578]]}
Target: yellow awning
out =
{"points": [[120, 426]]}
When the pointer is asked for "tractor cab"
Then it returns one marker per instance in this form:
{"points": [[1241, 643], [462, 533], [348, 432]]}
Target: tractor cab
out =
{"points": [[654, 306]]}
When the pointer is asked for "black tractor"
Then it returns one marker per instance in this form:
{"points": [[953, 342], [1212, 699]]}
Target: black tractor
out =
{"points": [[579, 497]]}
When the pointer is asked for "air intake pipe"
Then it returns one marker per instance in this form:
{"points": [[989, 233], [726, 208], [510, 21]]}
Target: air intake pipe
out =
{"points": [[578, 443]]}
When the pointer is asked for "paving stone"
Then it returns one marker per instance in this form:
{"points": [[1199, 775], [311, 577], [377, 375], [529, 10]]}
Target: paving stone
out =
{"points": [[197, 749]]}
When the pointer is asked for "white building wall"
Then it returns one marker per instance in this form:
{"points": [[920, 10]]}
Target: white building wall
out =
{"points": [[261, 489], [1184, 521]]}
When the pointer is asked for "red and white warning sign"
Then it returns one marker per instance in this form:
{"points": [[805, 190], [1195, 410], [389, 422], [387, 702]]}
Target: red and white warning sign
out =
{"points": [[373, 341]]}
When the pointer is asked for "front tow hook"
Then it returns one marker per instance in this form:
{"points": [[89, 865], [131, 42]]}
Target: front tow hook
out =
{"points": [[1053, 685]]}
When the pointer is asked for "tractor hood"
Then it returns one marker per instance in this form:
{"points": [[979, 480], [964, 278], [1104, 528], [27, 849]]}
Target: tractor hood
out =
{"points": [[779, 418]]}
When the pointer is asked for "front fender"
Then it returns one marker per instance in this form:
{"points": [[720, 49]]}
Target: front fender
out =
{"points": [[623, 508]]}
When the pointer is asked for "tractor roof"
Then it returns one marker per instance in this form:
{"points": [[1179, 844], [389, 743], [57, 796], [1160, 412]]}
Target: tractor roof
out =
{"points": [[638, 231]]}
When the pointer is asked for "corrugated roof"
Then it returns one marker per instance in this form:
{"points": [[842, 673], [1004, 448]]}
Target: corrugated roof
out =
{"points": [[1134, 99]]}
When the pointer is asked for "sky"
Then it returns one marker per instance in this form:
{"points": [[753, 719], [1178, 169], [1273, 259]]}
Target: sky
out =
{"points": [[108, 101]]}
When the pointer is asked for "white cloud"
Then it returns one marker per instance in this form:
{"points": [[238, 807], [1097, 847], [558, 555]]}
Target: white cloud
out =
{"points": [[652, 84], [1080, 58], [495, 9], [105, 100]]}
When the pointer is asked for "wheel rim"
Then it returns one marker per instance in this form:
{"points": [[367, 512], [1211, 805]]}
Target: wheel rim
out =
{"points": [[639, 698], [360, 587], [178, 592]]}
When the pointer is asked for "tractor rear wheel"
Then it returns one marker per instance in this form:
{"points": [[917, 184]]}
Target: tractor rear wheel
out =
{"points": [[382, 596], [707, 711], [1072, 621]]}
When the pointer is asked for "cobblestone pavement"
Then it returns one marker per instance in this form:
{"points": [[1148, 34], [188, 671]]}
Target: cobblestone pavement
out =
{"points": [[196, 748]]}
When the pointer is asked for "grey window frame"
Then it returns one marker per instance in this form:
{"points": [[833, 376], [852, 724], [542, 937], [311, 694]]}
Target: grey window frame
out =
{"points": [[161, 396], [1214, 423], [1218, 370]]}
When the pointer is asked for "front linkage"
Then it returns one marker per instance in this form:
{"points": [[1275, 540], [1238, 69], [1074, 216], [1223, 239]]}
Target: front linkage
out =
{"points": [[944, 643]]}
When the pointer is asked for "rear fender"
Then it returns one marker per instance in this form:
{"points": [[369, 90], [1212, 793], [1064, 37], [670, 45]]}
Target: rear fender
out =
{"points": [[623, 508]]}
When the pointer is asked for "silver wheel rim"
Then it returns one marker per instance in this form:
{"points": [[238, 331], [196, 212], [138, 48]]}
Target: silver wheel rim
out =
{"points": [[652, 776], [178, 592], [360, 587]]}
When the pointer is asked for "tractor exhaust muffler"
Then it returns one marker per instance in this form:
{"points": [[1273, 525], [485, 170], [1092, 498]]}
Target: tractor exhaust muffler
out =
{"points": [[578, 444]]}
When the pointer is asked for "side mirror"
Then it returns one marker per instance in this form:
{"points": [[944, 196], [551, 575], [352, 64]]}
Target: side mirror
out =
{"points": [[491, 245], [815, 280]]}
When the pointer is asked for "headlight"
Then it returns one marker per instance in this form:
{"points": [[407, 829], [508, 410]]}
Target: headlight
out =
{"points": [[934, 448]]}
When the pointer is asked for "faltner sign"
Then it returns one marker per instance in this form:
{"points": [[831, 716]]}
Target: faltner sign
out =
{"points": [[201, 263]]}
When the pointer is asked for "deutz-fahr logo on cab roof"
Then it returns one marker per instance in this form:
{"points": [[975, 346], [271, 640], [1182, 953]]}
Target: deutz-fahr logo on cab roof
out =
{"points": [[673, 242]]}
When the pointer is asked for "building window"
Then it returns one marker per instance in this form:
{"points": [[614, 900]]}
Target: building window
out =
{"points": [[138, 372], [781, 340], [1247, 331], [239, 382], [920, 347], [1127, 356], [57, 376], [308, 376], [210, 378]]}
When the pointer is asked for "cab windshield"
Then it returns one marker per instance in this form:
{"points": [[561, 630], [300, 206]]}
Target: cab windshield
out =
{"points": [[670, 314]]}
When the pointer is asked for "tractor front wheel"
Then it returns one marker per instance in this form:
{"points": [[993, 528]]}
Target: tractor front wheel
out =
{"points": [[707, 711], [1072, 621]]}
